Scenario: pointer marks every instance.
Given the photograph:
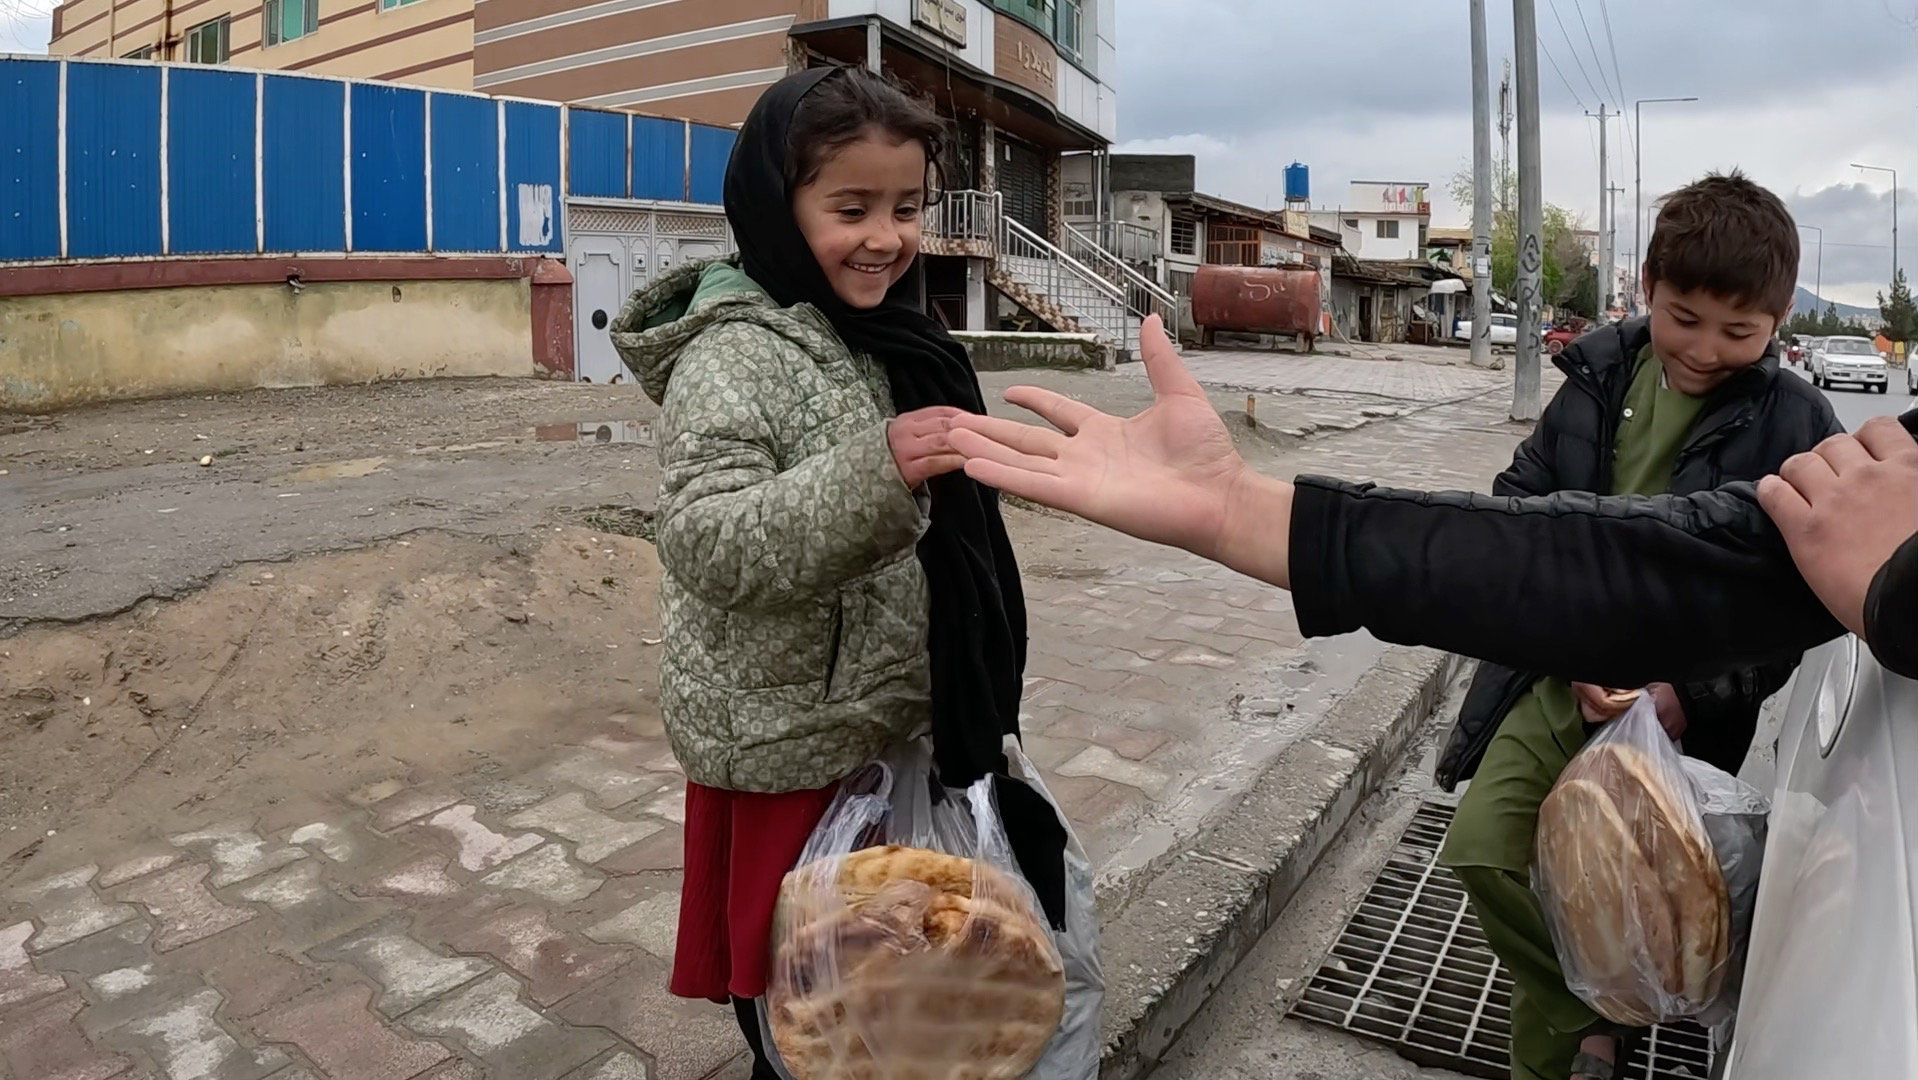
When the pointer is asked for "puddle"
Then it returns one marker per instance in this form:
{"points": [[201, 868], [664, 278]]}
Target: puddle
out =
{"points": [[596, 433], [336, 470]]}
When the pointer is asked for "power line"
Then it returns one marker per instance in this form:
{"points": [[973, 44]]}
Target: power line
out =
{"points": [[1561, 74], [1597, 61], [1596, 92], [1618, 74]]}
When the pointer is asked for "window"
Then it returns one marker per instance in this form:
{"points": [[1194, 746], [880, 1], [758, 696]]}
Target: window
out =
{"points": [[389, 5], [289, 20], [1388, 228], [1352, 223], [1185, 236], [145, 52], [1071, 25], [206, 43]]}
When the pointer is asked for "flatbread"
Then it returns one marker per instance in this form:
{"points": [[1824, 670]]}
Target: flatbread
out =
{"points": [[911, 964], [1638, 905]]}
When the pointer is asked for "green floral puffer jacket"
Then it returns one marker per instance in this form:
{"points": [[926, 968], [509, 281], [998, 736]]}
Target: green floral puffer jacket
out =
{"points": [[795, 610]]}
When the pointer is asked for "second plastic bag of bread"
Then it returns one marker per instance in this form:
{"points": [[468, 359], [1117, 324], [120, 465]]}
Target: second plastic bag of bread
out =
{"points": [[1647, 897], [906, 946]]}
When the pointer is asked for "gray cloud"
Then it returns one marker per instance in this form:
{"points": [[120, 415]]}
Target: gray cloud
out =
{"points": [[1218, 66], [1857, 228]]}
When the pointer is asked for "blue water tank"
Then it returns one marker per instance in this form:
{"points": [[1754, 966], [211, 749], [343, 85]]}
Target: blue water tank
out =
{"points": [[1298, 182]]}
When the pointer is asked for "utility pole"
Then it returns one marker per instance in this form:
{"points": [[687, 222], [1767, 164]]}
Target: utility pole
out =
{"points": [[1505, 136], [1531, 214], [1604, 233], [1481, 192], [1612, 271]]}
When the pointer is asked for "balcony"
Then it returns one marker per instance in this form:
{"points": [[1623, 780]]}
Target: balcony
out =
{"points": [[962, 223]]}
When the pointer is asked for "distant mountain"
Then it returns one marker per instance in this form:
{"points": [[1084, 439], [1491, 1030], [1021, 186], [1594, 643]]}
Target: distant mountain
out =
{"points": [[1806, 300]]}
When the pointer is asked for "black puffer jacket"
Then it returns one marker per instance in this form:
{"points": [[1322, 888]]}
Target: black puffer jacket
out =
{"points": [[1749, 426]]}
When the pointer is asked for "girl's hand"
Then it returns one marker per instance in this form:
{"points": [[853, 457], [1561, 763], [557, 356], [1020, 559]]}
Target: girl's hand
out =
{"points": [[1671, 711], [921, 447]]}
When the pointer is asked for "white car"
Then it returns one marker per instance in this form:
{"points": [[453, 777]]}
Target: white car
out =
{"points": [[1854, 360], [1831, 980], [1504, 329]]}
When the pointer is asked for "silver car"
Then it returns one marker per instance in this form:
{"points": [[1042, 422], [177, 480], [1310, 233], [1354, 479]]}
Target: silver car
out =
{"points": [[1831, 984], [1850, 360]]}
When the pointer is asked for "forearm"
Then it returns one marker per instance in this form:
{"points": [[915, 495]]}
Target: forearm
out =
{"points": [[1891, 612], [1253, 539], [1600, 590]]}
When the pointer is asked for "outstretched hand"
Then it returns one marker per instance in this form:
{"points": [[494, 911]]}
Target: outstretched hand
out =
{"points": [[1170, 474]]}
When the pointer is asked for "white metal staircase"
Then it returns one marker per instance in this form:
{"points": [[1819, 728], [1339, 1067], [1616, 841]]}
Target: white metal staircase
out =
{"points": [[1077, 286]]}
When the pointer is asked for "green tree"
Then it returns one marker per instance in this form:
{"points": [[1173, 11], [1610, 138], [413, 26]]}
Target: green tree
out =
{"points": [[1898, 311], [1565, 265]]}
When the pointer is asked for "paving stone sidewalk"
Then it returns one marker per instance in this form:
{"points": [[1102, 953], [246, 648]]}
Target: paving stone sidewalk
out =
{"points": [[520, 927]]}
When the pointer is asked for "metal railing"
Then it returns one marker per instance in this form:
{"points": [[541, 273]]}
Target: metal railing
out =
{"points": [[965, 215], [1064, 279], [1134, 244], [1141, 294]]}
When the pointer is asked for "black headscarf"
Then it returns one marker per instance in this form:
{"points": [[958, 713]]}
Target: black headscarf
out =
{"points": [[978, 633]]}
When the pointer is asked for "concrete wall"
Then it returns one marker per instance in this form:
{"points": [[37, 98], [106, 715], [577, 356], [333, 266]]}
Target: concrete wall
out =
{"points": [[998, 351], [62, 350]]}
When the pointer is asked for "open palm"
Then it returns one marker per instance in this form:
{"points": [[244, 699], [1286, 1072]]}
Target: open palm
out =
{"points": [[1164, 475]]}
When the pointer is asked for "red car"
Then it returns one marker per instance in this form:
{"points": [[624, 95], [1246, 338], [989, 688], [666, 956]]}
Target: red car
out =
{"points": [[1563, 334]]}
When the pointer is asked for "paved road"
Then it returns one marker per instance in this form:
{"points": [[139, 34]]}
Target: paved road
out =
{"points": [[1857, 406]]}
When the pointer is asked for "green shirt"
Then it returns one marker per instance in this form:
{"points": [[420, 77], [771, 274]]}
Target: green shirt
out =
{"points": [[1544, 728]]}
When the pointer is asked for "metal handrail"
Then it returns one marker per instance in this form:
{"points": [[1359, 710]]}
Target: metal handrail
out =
{"points": [[1127, 278], [1046, 249], [1062, 276], [964, 215]]}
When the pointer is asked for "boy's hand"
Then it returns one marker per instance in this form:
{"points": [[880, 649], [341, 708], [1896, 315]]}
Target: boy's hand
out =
{"points": [[1671, 711], [921, 445], [1602, 705]]}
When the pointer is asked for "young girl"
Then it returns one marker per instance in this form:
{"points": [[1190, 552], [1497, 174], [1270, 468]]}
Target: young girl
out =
{"points": [[835, 585]]}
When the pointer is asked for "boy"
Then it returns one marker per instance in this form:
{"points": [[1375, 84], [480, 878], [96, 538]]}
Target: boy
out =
{"points": [[1679, 401]]}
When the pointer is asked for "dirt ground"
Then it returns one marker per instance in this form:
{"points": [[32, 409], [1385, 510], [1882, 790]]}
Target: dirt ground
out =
{"points": [[284, 683]]}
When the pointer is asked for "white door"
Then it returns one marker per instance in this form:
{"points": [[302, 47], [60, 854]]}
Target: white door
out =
{"points": [[641, 272], [599, 287]]}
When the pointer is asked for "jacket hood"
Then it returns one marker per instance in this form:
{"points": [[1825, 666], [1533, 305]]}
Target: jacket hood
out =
{"points": [[1597, 354], [657, 322]]}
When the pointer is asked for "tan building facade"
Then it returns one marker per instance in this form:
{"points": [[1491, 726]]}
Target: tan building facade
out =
{"points": [[422, 42]]}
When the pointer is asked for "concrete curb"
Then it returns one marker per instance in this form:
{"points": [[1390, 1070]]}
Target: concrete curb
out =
{"points": [[1180, 933]]}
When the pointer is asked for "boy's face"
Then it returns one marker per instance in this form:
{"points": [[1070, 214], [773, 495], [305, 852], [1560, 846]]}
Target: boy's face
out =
{"points": [[1703, 340]]}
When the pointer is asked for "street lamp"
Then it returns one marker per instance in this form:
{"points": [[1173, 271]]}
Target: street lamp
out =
{"points": [[1819, 287], [1894, 211], [1638, 188]]}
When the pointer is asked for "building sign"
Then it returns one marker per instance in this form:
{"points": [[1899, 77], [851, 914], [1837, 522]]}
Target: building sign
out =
{"points": [[943, 18], [1389, 198], [1024, 57]]}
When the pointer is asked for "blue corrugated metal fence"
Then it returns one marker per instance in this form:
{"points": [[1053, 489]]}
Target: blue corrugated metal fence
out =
{"points": [[118, 159]]}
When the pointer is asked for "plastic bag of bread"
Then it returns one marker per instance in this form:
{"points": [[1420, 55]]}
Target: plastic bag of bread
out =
{"points": [[905, 944], [1633, 879]]}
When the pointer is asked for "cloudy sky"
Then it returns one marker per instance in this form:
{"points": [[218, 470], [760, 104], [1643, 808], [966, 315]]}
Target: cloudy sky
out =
{"points": [[1384, 92], [1791, 92]]}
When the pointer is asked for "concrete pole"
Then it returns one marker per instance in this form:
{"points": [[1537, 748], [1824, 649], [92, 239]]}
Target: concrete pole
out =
{"points": [[1481, 192], [1612, 277], [1531, 215], [1606, 255], [875, 47]]}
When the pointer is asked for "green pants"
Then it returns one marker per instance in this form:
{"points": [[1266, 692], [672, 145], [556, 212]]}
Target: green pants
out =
{"points": [[1489, 848]]}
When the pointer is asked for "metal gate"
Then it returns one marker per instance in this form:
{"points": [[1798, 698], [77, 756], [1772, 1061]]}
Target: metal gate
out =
{"points": [[616, 248], [1022, 182]]}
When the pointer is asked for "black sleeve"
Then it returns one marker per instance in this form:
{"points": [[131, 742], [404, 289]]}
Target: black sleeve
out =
{"points": [[1891, 611], [1534, 467], [1619, 591]]}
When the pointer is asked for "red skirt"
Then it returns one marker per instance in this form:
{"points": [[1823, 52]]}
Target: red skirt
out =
{"points": [[739, 846]]}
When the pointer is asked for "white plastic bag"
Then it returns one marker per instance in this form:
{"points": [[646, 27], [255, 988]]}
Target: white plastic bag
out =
{"points": [[906, 946], [1074, 1051], [1736, 818], [1637, 883]]}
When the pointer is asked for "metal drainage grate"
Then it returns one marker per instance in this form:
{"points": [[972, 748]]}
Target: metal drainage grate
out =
{"points": [[1412, 969]]}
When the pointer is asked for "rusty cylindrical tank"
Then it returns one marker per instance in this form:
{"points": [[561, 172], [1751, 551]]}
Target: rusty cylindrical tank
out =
{"points": [[1257, 299]]}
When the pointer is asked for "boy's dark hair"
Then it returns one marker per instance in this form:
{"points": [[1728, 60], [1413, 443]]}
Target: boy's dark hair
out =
{"points": [[1728, 237], [839, 111]]}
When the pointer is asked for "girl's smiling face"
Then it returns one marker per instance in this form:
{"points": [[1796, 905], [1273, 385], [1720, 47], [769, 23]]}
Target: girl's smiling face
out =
{"points": [[861, 215]]}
